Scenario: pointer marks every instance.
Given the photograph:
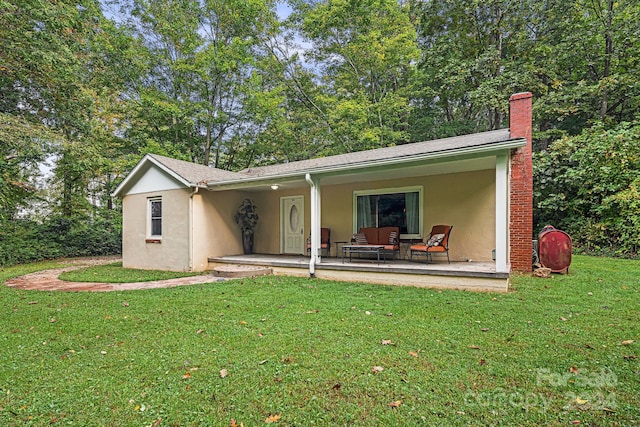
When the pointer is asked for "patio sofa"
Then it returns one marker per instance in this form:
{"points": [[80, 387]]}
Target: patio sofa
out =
{"points": [[389, 237]]}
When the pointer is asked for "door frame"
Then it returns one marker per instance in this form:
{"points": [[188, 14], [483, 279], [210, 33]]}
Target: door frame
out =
{"points": [[283, 219]]}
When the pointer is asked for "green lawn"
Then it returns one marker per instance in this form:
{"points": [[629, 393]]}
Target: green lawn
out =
{"points": [[114, 273], [303, 352]]}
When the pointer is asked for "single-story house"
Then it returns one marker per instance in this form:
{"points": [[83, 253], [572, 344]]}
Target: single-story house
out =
{"points": [[179, 215]]}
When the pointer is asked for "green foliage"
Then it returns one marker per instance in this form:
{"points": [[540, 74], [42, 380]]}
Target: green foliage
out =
{"points": [[305, 350], [246, 216], [367, 52], [588, 186], [25, 240], [23, 145]]}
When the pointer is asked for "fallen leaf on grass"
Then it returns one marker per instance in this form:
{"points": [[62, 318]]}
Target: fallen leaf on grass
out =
{"points": [[627, 342], [52, 320], [576, 422], [564, 319], [125, 304], [262, 362], [483, 362], [32, 302], [395, 404], [630, 357], [242, 322], [157, 423], [580, 401], [368, 313], [199, 331], [233, 423], [223, 373], [272, 419], [387, 342], [413, 353], [473, 347], [377, 369], [484, 329], [186, 376], [573, 370], [337, 387], [312, 311]]}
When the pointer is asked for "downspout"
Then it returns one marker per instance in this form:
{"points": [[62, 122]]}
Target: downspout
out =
{"points": [[314, 226], [193, 193]]}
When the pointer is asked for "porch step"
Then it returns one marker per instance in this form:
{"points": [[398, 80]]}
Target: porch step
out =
{"points": [[237, 271]]}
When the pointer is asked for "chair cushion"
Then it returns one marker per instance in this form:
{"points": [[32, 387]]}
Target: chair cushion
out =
{"points": [[436, 249], [371, 234], [435, 240], [419, 247], [391, 247], [360, 239], [384, 234]]}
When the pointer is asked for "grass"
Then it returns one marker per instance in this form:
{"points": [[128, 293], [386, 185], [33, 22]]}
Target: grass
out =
{"points": [[114, 273], [303, 352]]}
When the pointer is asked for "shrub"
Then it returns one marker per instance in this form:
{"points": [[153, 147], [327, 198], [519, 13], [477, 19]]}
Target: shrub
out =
{"points": [[589, 186], [26, 240]]}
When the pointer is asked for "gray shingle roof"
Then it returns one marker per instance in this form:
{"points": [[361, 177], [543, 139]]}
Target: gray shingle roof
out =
{"points": [[194, 173], [452, 145]]}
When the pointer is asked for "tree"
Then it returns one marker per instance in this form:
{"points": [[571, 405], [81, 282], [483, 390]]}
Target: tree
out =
{"points": [[202, 58], [23, 146], [366, 52], [589, 185]]}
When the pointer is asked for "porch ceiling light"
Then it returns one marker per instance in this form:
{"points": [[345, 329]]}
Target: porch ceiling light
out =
{"points": [[275, 186]]}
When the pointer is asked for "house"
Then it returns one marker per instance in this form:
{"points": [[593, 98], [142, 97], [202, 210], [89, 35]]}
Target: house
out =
{"points": [[179, 216]]}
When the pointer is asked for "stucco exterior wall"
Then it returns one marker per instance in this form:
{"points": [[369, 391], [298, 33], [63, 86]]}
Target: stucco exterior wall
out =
{"points": [[215, 233], [172, 253], [267, 238], [464, 200]]}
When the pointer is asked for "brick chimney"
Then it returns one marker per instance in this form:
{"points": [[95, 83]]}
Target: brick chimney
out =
{"points": [[521, 190]]}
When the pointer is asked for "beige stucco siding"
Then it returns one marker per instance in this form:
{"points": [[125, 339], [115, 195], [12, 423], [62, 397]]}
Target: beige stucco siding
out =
{"points": [[267, 239], [215, 232], [173, 251], [464, 200]]}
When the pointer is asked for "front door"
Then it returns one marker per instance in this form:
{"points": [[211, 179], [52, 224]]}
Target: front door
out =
{"points": [[292, 225]]}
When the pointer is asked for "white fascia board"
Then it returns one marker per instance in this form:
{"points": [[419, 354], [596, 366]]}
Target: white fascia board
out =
{"points": [[300, 175], [133, 175]]}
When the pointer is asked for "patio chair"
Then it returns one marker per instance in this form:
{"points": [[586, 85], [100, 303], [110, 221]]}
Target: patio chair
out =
{"points": [[325, 241], [436, 243]]}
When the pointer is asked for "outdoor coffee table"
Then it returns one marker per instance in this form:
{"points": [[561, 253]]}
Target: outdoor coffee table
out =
{"points": [[362, 249]]}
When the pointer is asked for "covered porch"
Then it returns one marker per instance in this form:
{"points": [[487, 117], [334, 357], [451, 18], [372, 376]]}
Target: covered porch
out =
{"points": [[472, 276]]}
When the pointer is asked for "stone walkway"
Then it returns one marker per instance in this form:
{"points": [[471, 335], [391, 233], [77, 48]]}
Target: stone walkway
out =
{"points": [[47, 280]]}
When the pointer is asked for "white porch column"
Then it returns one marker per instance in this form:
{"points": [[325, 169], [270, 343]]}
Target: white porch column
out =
{"points": [[502, 213], [314, 184]]}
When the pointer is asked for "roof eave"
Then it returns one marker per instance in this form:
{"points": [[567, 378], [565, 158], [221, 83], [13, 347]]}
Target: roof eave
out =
{"points": [[480, 151], [148, 158]]}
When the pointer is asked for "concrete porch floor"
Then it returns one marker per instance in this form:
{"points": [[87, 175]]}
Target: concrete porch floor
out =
{"points": [[475, 276]]}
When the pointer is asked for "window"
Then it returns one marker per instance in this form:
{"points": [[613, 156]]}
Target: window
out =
{"points": [[155, 217], [396, 207]]}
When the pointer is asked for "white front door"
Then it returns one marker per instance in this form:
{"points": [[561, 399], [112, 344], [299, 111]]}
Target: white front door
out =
{"points": [[292, 224]]}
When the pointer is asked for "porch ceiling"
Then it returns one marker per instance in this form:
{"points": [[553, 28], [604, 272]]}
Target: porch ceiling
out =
{"points": [[375, 173]]}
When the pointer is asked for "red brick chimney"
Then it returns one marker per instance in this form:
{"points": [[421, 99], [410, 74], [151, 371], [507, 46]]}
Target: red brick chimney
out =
{"points": [[521, 191]]}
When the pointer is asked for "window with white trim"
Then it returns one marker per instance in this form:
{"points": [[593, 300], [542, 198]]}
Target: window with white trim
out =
{"points": [[390, 207], [154, 226]]}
